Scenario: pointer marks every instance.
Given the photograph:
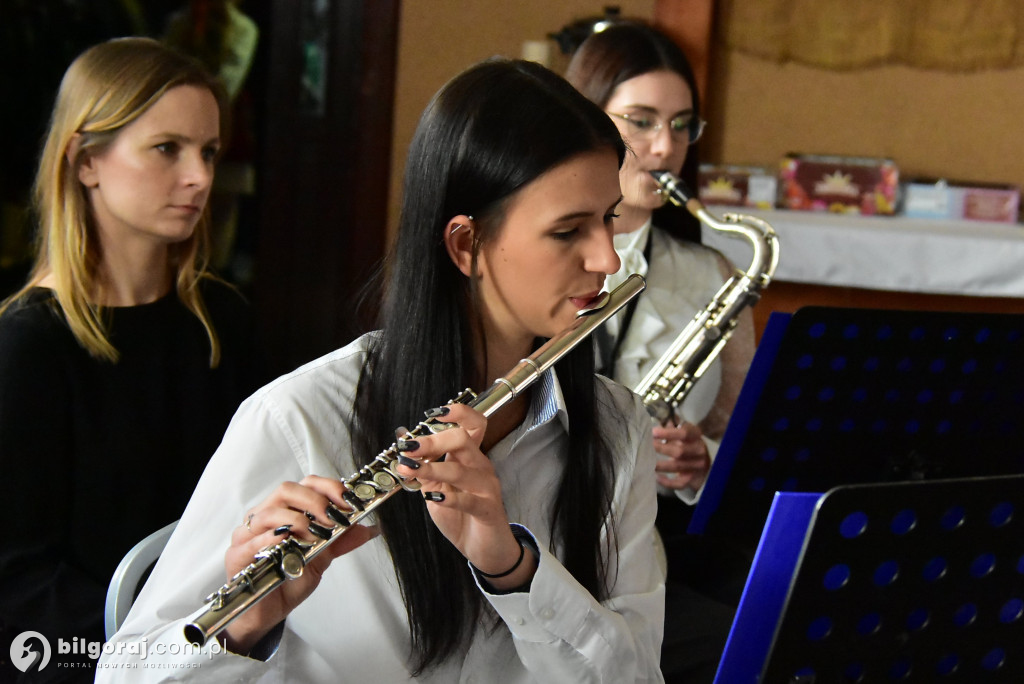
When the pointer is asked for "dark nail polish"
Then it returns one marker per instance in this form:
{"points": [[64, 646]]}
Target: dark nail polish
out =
{"points": [[283, 529], [436, 497], [437, 412], [408, 462], [354, 500], [407, 445], [320, 530], [337, 515], [310, 516]]}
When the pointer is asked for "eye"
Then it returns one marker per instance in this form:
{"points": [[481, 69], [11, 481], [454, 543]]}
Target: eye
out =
{"points": [[680, 124], [169, 148], [609, 217], [566, 235], [642, 123], [210, 153]]}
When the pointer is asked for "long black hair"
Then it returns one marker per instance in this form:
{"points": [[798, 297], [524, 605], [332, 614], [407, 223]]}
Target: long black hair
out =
{"points": [[624, 50], [488, 133]]}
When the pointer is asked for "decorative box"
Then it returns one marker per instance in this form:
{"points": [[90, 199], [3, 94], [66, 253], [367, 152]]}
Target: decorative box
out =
{"points": [[849, 185], [738, 186], [925, 198]]}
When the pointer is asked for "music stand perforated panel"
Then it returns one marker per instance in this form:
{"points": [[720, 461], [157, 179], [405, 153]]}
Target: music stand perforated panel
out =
{"points": [[908, 582], [861, 395]]}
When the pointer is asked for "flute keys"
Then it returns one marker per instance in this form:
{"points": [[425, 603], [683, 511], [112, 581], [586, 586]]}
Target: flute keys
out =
{"points": [[364, 491], [384, 480], [292, 565]]}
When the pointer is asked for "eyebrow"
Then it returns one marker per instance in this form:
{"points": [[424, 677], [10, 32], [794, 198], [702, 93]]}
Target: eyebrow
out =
{"points": [[573, 215], [652, 110], [177, 137], [585, 214]]}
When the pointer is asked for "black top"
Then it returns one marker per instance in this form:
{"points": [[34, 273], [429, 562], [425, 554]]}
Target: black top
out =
{"points": [[96, 455]]}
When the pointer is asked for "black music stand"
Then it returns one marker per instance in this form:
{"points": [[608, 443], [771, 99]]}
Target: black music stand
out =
{"points": [[841, 396], [907, 582]]}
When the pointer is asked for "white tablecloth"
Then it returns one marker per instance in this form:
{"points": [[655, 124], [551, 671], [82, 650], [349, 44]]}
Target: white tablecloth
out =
{"points": [[888, 252]]}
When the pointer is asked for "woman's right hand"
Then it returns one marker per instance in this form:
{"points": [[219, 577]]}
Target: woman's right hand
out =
{"points": [[281, 514]]}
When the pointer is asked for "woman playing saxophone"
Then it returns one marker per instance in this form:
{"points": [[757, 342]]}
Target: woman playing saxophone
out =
{"points": [[646, 86], [528, 553]]}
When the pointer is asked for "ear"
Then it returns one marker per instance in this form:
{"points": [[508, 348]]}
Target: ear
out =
{"points": [[458, 240], [87, 174]]}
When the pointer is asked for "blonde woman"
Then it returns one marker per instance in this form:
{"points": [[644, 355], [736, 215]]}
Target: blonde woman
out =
{"points": [[121, 359]]}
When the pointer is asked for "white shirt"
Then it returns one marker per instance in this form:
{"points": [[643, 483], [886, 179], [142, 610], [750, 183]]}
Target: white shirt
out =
{"points": [[353, 628], [682, 278]]}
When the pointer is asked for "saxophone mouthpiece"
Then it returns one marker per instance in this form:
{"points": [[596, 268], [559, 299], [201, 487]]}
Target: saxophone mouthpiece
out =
{"points": [[676, 191]]}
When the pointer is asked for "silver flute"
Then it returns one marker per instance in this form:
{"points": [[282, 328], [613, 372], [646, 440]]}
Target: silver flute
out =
{"points": [[377, 481]]}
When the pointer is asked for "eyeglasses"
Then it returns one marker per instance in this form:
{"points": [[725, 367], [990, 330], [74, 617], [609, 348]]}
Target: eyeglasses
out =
{"points": [[683, 127]]}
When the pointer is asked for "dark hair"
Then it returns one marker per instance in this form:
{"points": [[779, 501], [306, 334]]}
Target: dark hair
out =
{"points": [[488, 133], [624, 50]]}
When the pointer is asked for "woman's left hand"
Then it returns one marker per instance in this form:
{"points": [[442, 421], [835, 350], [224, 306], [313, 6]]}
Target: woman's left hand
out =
{"points": [[685, 459], [463, 496]]}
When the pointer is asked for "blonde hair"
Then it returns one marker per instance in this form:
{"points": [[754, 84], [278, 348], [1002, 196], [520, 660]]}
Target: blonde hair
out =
{"points": [[107, 87]]}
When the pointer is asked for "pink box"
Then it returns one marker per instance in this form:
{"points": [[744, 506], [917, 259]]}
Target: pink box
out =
{"points": [[848, 185]]}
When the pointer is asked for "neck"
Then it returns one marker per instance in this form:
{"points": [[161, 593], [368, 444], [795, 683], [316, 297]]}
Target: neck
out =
{"points": [[502, 356], [631, 218], [131, 277]]}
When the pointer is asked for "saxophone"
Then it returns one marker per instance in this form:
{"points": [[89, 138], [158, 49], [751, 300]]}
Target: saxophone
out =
{"points": [[375, 482], [670, 380]]}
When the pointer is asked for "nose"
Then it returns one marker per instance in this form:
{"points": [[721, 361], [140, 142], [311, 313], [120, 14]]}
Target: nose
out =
{"points": [[601, 256], [663, 143], [198, 171]]}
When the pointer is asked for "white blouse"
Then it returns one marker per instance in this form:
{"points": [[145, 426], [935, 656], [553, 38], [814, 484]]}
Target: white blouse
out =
{"points": [[354, 628]]}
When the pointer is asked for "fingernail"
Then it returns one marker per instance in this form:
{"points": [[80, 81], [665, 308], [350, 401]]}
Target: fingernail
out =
{"points": [[354, 500], [408, 462], [320, 530], [433, 496], [337, 515], [407, 445], [437, 412], [312, 518], [283, 529]]}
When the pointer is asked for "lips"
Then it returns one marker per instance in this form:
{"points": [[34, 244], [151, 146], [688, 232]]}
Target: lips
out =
{"points": [[587, 300]]}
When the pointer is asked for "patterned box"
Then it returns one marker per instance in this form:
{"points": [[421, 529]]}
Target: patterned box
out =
{"points": [[849, 185]]}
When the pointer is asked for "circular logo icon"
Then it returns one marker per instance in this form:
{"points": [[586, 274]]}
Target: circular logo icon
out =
{"points": [[30, 651]]}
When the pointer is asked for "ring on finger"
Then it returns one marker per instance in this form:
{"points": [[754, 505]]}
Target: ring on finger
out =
{"points": [[248, 521]]}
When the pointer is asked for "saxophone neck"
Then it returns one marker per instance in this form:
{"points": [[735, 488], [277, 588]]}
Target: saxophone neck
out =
{"points": [[758, 233]]}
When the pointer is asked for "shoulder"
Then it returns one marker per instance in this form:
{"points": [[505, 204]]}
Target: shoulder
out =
{"points": [[34, 335], [620, 406], [36, 317], [220, 296], [325, 380], [691, 261], [666, 242]]}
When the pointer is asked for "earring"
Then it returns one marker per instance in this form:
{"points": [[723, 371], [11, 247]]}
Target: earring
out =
{"points": [[457, 227]]}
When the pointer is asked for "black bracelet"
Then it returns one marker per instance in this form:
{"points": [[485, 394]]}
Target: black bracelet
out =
{"points": [[522, 554]]}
